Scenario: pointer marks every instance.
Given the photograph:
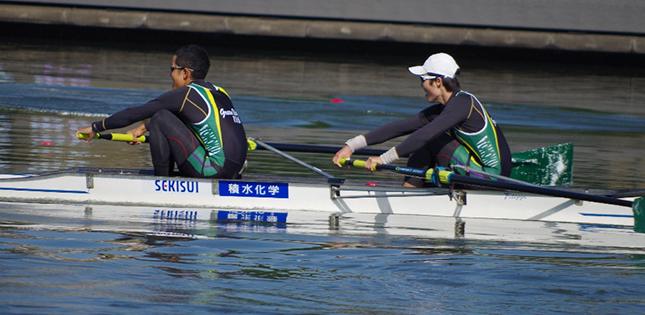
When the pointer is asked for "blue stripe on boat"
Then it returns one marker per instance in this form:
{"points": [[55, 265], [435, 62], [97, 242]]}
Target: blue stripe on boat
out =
{"points": [[606, 215], [46, 190]]}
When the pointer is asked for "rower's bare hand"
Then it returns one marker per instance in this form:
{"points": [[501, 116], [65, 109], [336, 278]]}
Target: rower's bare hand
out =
{"points": [[344, 153], [371, 162], [136, 133], [88, 131]]}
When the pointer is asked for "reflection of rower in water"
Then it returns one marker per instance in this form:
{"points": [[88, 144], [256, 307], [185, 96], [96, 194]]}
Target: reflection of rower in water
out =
{"points": [[457, 131], [194, 126]]}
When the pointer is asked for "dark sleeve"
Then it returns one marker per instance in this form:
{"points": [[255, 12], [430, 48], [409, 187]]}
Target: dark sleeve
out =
{"points": [[171, 101], [403, 126], [454, 113]]}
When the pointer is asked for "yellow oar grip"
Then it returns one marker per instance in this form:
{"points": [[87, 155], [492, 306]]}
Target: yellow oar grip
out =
{"points": [[85, 136], [356, 163], [126, 137], [115, 137]]}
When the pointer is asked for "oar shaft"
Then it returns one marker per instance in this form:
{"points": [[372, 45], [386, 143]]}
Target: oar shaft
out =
{"points": [[279, 146], [456, 178], [399, 169], [291, 158], [448, 177], [320, 149]]}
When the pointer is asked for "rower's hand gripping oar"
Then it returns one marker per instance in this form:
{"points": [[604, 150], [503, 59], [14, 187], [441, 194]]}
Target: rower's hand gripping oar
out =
{"points": [[437, 177]]}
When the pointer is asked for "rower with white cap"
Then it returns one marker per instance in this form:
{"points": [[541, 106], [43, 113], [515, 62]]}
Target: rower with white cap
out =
{"points": [[456, 131]]}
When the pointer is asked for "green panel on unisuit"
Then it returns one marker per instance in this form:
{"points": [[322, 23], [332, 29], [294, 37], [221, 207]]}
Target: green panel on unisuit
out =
{"points": [[547, 166]]}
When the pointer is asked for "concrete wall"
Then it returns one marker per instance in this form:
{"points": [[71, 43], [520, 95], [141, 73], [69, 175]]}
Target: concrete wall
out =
{"points": [[576, 25], [615, 16]]}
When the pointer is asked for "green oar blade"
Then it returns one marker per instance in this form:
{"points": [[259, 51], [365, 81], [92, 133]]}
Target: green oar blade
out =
{"points": [[547, 166], [639, 215]]}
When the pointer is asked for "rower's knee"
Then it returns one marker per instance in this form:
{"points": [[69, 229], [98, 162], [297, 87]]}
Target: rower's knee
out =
{"points": [[413, 182], [161, 116], [409, 185]]}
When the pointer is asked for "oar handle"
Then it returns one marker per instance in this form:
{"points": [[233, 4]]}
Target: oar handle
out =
{"points": [[356, 163], [145, 139], [436, 176], [114, 137]]}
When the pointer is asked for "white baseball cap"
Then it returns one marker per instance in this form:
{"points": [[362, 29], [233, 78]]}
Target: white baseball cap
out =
{"points": [[440, 64]]}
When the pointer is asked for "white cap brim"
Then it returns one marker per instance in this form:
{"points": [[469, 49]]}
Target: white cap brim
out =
{"points": [[440, 64], [417, 70]]}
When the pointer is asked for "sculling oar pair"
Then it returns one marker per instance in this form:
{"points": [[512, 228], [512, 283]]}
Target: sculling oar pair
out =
{"points": [[436, 176], [442, 176], [546, 166]]}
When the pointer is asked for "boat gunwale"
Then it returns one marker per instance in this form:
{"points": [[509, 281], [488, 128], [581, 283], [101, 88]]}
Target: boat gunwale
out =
{"points": [[348, 184]]}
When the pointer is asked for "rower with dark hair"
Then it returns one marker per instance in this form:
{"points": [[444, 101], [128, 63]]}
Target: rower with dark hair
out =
{"points": [[193, 126]]}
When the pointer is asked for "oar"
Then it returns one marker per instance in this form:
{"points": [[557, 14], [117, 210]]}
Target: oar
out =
{"points": [[280, 146], [114, 137], [449, 177], [253, 144], [321, 149], [331, 178]]}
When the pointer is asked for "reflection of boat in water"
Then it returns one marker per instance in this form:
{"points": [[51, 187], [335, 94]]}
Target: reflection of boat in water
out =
{"points": [[196, 223]]}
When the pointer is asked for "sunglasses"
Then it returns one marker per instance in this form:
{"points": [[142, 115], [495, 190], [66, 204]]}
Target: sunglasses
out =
{"points": [[428, 77], [173, 68]]}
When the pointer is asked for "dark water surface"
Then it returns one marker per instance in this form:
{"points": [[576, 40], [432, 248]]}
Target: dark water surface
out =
{"points": [[54, 272], [76, 265]]}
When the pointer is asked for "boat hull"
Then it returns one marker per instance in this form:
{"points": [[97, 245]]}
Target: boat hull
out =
{"points": [[288, 194]]}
